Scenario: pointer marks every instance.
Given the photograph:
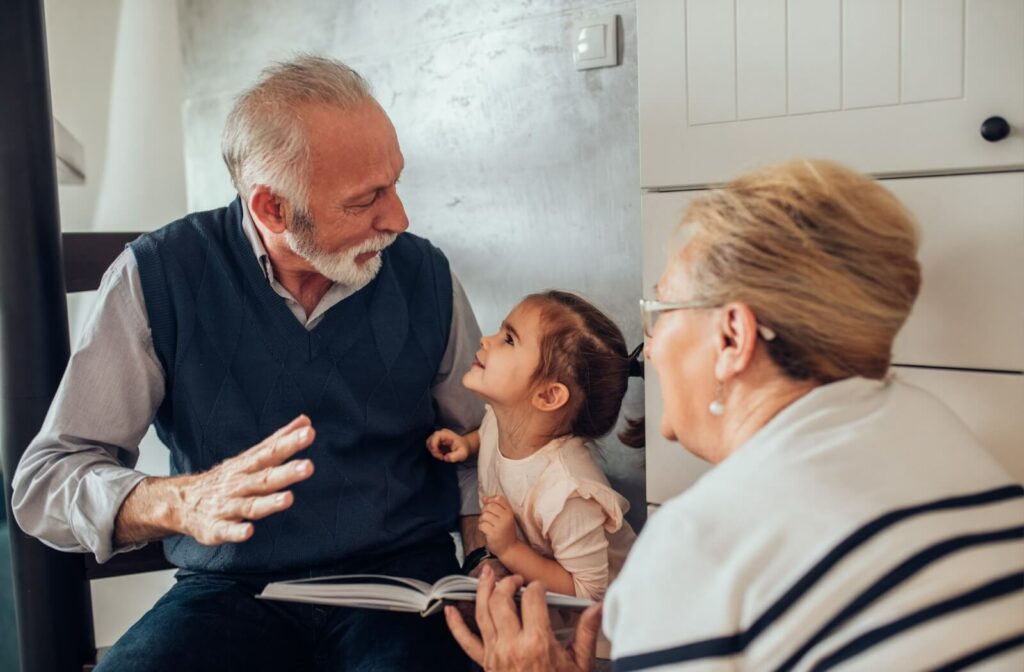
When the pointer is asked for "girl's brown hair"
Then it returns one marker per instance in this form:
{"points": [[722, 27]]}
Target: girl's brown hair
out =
{"points": [[585, 351]]}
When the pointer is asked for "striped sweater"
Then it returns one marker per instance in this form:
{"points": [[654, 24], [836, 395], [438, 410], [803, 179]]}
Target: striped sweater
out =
{"points": [[863, 528]]}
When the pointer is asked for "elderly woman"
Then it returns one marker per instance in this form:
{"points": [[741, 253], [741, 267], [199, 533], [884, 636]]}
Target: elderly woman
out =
{"points": [[852, 520]]}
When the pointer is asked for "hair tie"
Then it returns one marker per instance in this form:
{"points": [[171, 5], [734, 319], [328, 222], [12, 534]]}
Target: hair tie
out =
{"points": [[636, 362]]}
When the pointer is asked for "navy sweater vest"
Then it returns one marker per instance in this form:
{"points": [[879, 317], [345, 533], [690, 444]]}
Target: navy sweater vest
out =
{"points": [[238, 366]]}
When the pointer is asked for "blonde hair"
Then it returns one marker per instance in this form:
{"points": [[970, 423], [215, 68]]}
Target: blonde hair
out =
{"points": [[266, 142], [824, 256]]}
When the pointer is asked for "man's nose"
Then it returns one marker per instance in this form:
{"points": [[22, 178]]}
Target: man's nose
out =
{"points": [[392, 218]]}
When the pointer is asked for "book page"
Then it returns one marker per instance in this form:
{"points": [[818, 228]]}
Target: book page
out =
{"points": [[369, 591]]}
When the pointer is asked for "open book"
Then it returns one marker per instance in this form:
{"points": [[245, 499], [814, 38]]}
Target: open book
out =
{"points": [[392, 593]]}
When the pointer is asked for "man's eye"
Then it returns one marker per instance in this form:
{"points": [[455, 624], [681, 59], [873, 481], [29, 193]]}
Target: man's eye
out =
{"points": [[365, 204]]}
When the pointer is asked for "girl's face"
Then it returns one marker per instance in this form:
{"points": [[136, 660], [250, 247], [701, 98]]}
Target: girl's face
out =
{"points": [[507, 360]]}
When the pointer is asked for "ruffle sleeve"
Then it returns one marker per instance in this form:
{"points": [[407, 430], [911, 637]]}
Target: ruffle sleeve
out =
{"points": [[556, 487]]}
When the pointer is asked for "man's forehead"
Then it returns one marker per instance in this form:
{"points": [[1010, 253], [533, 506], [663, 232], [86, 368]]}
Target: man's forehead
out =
{"points": [[358, 144]]}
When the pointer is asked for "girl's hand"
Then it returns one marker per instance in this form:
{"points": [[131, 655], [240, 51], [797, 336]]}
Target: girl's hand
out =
{"points": [[447, 446], [498, 524]]}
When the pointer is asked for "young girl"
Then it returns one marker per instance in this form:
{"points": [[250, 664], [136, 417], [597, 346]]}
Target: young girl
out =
{"points": [[553, 376]]}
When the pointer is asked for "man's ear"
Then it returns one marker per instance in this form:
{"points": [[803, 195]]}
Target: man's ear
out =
{"points": [[268, 209], [550, 397], [736, 331]]}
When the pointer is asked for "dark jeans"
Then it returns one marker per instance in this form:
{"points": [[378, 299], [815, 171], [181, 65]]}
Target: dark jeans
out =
{"points": [[211, 621]]}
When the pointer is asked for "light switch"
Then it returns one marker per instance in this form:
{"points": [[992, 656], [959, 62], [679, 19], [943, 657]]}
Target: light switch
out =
{"points": [[596, 42], [590, 43]]}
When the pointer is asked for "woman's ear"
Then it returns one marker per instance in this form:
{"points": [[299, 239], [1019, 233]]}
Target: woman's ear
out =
{"points": [[736, 331], [268, 209], [550, 397]]}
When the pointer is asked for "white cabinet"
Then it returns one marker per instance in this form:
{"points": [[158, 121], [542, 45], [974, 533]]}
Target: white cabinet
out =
{"points": [[889, 87], [970, 313], [670, 468], [894, 88], [991, 405]]}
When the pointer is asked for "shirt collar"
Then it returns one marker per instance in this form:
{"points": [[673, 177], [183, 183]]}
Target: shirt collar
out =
{"points": [[249, 228]]}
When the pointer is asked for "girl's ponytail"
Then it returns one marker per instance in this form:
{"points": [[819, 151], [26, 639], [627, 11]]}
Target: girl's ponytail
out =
{"points": [[583, 349]]}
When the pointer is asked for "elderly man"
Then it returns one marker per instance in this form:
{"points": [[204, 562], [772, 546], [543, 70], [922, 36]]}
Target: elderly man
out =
{"points": [[304, 308]]}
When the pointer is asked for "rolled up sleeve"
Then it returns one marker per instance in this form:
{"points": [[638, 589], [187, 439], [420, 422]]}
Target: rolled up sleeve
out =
{"points": [[459, 409], [76, 473]]}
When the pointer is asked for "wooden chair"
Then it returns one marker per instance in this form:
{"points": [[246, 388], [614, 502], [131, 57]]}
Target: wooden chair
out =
{"points": [[86, 258]]}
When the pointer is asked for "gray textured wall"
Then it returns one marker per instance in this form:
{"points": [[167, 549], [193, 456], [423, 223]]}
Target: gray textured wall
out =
{"points": [[524, 170]]}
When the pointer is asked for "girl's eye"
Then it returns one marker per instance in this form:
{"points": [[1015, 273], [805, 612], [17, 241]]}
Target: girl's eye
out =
{"points": [[508, 338]]}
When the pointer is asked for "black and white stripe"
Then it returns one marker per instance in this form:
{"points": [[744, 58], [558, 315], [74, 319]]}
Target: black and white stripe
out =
{"points": [[733, 644]]}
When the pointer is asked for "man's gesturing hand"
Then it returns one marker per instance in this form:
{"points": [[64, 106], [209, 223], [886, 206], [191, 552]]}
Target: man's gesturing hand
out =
{"points": [[216, 506]]}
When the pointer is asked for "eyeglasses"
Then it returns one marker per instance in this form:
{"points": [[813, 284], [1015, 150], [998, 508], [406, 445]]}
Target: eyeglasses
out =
{"points": [[651, 310]]}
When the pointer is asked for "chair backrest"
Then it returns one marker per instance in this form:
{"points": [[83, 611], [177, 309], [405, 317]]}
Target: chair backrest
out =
{"points": [[87, 256]]}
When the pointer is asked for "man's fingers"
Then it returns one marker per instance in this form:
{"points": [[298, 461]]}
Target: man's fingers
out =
{"points": [[298, 423], [224, 532], [584, 641], [469, 642], [276, 451], [502, 606], [255, 508], [272, 479]]}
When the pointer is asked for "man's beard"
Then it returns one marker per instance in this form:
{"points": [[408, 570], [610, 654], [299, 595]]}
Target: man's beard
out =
{"points": [[341, 267]]}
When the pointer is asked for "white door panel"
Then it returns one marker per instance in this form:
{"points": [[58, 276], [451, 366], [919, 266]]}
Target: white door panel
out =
{"points": [[889, 87], [970, 312]]}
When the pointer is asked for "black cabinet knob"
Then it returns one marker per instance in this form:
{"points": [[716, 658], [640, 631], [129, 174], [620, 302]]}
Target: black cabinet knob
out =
{"points": [[995, 129]]}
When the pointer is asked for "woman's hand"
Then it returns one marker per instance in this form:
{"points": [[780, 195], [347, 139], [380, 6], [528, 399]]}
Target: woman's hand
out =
{"points": [[498, 524], [447, 446], [509, 644]]}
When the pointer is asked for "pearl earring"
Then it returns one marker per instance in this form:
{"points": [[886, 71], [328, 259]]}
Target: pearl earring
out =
{"points": [[716, 407]]}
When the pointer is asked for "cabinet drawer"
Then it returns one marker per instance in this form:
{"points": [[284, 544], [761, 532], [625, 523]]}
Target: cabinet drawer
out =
{"points": [[970, 313], [990, 404]]}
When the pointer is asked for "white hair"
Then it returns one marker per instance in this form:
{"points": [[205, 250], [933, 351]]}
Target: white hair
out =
{"points": [[265, 142]]}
